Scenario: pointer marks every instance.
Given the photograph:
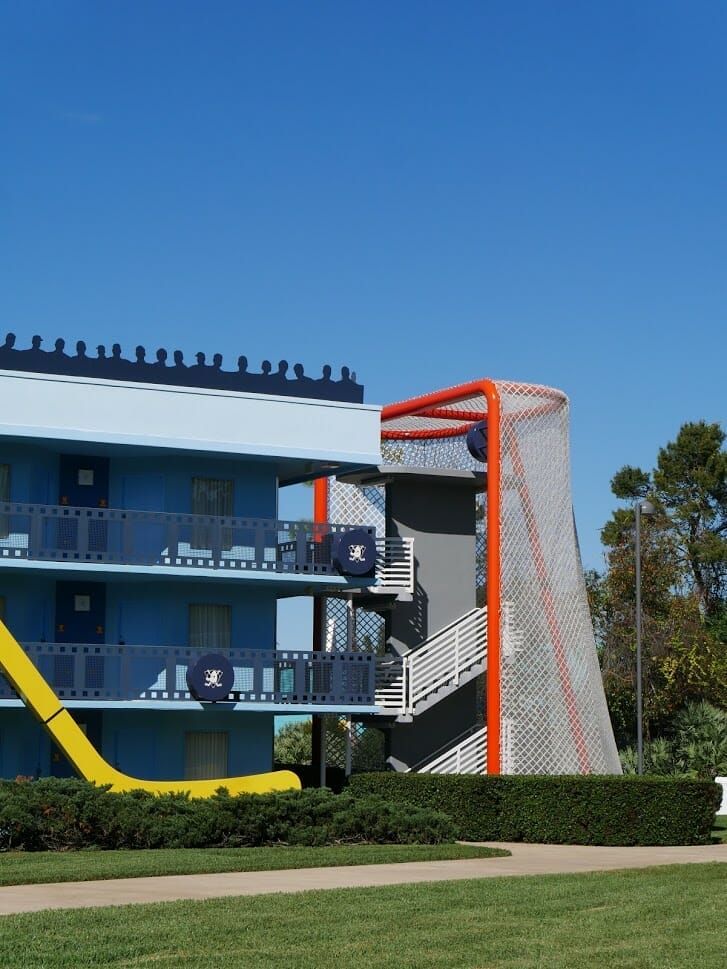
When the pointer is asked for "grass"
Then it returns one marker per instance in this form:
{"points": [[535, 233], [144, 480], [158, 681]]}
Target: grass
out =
{"points": [[641, 919], [719, 830], [35, 867]]}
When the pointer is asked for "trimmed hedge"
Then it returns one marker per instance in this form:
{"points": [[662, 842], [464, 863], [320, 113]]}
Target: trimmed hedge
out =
{"points": [[309, 776], [585, 810], [55, 815]]}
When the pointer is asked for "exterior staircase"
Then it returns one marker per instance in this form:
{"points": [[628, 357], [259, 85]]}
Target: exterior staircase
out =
{"points": [[466, 755], [408, 685]]}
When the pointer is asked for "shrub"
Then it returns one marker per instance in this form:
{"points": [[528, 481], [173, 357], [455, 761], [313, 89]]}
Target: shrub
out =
{"points": [[53, 814], [697, 747], [594, 810]]}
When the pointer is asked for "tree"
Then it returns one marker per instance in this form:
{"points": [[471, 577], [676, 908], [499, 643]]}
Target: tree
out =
{"points": [[684, 583], [689, 488], [293, 743]]}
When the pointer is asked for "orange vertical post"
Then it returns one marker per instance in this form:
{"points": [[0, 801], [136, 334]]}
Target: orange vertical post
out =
{"points": [[494, 741], [430, 405]]}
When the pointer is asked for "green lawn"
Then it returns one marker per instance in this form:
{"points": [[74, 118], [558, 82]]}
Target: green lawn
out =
{"points": [[34, 867], [642, 919]]}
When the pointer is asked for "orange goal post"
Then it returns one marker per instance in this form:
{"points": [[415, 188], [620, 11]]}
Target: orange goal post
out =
{"points": [[545, 707]]}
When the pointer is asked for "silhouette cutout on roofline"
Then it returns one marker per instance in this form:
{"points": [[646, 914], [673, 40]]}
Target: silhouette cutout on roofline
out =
{"points": [[201, 374]]}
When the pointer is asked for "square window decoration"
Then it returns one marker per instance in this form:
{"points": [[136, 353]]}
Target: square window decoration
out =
{"points": [[85, 476], [82, 603]]}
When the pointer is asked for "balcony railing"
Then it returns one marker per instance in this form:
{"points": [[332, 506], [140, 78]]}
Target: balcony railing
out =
{"points": [[62, 533], [86, 672], [395, 565]]}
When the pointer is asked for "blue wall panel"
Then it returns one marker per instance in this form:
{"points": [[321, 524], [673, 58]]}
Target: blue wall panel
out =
{"points": [[150, 744], [24, 745], [146, 744], [135, 483], [157, 613], [146, 482]]}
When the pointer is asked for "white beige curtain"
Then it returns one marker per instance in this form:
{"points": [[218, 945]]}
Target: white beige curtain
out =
{"points": [[210, 626], [205, 755], [4, 496], [211, 496]]}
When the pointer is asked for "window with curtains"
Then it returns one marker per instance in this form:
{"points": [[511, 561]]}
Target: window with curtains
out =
{"points": [[211, 496], [205, 755], [210, 627], [4, 496]]}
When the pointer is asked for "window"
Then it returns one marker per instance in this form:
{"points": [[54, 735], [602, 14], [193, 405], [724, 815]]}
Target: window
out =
{"points": [[205, 755], [211, 496], [210, 627], [4, 496], [2, 608]]}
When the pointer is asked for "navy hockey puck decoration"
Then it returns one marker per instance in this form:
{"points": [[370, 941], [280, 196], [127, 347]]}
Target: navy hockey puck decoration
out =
{"points": [[210, 677], [354, 552], [477, 441]]}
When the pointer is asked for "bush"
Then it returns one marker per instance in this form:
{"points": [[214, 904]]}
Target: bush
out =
{"points": [[696, 748], [309, 775], [54, 815], [592, 810]]}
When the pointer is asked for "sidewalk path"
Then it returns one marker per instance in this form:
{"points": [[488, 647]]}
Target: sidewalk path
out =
{"points": [[526, 859]]}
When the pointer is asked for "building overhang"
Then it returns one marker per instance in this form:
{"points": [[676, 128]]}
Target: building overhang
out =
{"points": [[302, 438], [384, 474]]}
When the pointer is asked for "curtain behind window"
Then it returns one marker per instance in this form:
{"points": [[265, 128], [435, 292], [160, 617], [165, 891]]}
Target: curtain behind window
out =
{"points": [[211, 496], [210, 627], [205, 756], [4, 496]]}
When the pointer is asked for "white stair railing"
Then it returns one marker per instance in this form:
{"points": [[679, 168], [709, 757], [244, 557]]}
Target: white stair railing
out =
{"points": [[394, 565], [467, 757], [391, 684], [448, 654], [405, 681]]}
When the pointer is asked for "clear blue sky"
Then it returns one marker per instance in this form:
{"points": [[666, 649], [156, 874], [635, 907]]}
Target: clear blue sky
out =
{"points": [[426, 192]]}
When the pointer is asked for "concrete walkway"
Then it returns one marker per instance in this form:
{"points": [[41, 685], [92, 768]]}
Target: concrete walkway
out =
{"points": [[526, 859]]}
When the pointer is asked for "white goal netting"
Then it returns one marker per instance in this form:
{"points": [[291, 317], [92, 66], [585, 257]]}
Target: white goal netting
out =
{"points": [[553, 714]]}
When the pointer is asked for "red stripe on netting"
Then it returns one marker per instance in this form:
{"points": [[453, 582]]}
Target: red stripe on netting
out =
{"points": [[549, 608], [425, 434], [455, 415], [435, 413]]}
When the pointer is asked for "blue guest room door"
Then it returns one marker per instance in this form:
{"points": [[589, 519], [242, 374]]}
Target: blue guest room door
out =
{"points": [[80, 617], [80, 612], [83, 482]]}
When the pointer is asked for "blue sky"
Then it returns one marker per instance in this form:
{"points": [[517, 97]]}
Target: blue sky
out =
{"points": [[425, 192]]}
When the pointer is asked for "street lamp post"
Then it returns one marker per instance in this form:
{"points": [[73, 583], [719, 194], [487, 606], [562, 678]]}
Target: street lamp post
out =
{"points": [[641, 508]]}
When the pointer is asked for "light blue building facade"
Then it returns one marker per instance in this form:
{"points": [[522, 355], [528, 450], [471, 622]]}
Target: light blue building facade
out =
{"points": [[139, 530]]}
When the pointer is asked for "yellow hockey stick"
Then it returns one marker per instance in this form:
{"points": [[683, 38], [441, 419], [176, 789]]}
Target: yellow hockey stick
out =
{"points": [[37, 695]]}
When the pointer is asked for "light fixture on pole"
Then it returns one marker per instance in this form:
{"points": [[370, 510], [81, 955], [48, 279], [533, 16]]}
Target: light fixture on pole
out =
{"points": [[640, 508]]}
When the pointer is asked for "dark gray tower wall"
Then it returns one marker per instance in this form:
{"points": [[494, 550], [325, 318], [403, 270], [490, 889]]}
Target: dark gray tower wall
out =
{"points": [[437, 510]]}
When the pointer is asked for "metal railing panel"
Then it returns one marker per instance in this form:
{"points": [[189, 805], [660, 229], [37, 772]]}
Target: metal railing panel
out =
{"points": [[108, 673], [63, 533], [391, 682], [467, 757], [403, 682], [395, 564], [447, 655]]}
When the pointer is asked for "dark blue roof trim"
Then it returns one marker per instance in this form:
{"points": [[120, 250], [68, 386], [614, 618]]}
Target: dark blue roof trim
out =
{"points": [[177, 373]]}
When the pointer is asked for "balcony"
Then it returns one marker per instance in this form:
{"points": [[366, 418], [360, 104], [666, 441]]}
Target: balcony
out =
{"points": [[84, 675], [65, 534]]}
